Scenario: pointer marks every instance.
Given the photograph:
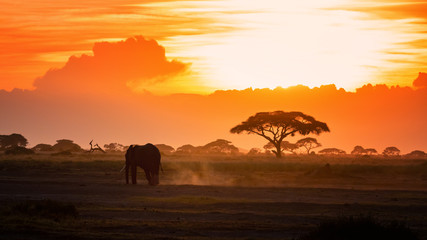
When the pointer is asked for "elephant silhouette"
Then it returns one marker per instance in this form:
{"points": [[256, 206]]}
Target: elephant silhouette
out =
{"points": [[148, 158]]}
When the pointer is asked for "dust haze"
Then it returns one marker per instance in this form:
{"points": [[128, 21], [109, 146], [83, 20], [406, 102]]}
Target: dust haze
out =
{"points": [[294, 171]]}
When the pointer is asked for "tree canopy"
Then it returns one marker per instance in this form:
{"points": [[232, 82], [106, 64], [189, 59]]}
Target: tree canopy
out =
{"points": [[12, 140], [186, 149], [417, 154], [165, 149], [286, 146], [308, 143], [42, 147], [220, 146], [255, 152], [332, 151], [371, 151], [358, 150], [66, 145], [391, 151], [114, 147], [275, 126]]}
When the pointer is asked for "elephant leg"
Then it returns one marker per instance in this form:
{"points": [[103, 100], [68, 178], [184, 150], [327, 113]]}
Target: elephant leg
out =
{"points": [[127, 173], [133, 170], [147, 175]]}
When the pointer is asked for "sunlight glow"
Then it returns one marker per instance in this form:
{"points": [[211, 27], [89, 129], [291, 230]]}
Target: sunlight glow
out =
{"points": [[283, 43], [230, 44]]}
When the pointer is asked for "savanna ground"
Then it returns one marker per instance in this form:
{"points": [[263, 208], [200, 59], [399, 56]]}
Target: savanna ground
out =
{"points": [[202, 197]]}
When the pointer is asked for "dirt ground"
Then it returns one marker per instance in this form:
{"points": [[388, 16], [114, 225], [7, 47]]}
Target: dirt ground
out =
{"points": [[194, 201]]}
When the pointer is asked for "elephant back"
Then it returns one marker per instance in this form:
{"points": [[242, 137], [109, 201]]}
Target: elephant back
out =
{"points": [[148, 156]]}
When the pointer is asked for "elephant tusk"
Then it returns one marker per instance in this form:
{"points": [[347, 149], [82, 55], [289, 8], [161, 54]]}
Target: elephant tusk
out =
{"points": [[123, 168]]}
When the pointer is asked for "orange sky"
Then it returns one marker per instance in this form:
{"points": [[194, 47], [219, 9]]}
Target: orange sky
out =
{"points": [[230, 44], [76, 56]]}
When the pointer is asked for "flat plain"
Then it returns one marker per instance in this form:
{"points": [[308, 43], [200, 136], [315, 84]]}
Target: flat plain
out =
{"points": [[208, 197]]}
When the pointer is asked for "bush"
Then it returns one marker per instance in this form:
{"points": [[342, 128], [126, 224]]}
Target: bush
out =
{"points": [[47, 209], [362, 227], [18, 151], [63, 153]]}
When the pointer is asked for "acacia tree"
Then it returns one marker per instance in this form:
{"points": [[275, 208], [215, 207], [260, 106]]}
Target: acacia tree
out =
{"points": [[371, 151], [42, 147], [308, 143], [114, 147], [66, 145], [358, 150], [165, 149], [12, 140], [417, 154], [275, 126], [391, 151], [286, 146], [186, 149], [220, 146], [255, 152], [332, 151]]}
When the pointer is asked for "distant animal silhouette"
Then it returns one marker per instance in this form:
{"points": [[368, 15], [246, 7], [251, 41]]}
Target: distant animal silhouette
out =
{"points": [[148, 158]]}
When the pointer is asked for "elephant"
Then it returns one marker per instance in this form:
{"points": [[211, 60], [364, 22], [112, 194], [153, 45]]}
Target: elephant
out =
{"points": [[148, 158]]}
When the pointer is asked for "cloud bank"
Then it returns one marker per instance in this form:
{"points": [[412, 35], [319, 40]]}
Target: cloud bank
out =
{"points": [[113, 68], [375, 116], [421, 80]]}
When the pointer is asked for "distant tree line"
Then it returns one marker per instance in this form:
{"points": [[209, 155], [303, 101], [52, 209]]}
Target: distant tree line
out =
{"points": [[16, 144]]}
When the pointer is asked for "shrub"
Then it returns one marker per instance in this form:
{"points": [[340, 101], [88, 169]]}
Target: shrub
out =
{"points": [[362, 227], [18, 150], [63, 153], [47, 209]]}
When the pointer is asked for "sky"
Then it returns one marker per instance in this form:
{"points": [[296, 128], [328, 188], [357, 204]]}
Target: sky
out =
{"points": [[78, 57]]}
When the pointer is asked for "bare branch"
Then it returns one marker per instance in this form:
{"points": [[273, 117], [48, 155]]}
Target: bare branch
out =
{"points": [[96, 148]]}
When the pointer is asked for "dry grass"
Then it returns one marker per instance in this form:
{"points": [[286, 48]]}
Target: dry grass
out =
{"points": [[204, 197]]}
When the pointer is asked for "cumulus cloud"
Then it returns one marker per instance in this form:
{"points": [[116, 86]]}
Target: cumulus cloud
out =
{"points": [[112, 68], [421, 80]]}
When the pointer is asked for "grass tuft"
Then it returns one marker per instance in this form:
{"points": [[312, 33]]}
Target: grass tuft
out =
{"points": [[360, 227], [47, 209]]}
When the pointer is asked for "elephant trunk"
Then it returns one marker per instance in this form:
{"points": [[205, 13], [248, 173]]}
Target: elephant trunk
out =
{"points": [[127, 173]]}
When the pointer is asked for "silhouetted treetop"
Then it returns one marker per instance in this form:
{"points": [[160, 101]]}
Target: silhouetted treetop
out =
{"points": [[220, 146], [186, 149], [166, 149], [255, 152], [332, 151], [371, 151], [308, 143], [42, 147], [12, 140], [275, 126], [391, 151], [66, 145], [114, 147], [286, 146], [64, 141], [287, 123], [358, 150], [417, 153]]}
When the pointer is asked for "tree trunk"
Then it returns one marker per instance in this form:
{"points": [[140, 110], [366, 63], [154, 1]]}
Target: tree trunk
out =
{"points": [[278, 151]]}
